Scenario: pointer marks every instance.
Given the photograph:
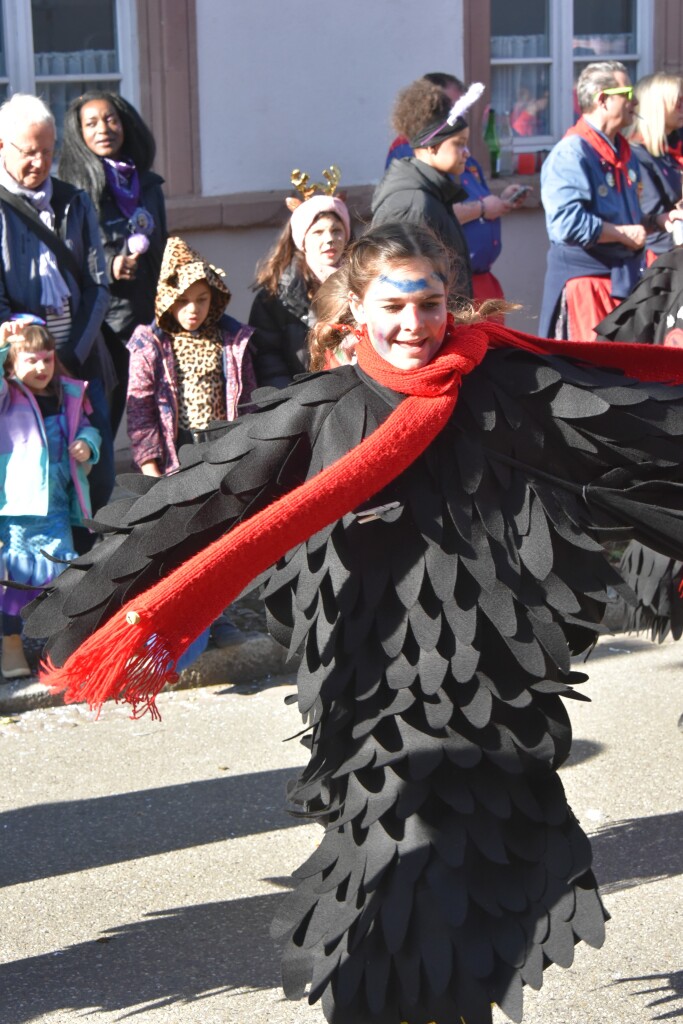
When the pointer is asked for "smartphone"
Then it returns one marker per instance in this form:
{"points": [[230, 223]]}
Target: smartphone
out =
{"points": [[522, 190]]}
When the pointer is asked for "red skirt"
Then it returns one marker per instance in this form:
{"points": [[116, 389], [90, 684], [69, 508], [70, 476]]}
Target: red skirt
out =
{"points": [[589, 299]]}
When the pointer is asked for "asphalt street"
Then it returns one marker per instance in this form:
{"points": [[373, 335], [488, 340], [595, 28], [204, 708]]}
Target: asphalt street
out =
{"points": [[141, 862]]}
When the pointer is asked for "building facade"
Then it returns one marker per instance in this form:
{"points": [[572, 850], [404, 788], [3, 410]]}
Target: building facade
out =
{"points": [[239, 94]]}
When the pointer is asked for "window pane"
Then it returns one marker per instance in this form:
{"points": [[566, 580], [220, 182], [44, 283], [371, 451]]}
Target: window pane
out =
{"points": [[74, 37], [519, 29], [524, 93], [602, 30]]}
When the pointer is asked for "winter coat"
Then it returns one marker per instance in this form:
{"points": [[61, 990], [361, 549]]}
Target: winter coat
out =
{"points": [[24, 458], [132, 302], [282, 323], [84, 353], [152, 403], [413, 191], [660, 178]]}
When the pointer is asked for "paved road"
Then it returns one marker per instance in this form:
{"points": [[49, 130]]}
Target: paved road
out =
{"points": [[141, 862]]}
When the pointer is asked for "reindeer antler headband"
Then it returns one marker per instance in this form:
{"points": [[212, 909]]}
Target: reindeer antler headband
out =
{"points": [[316, 198]]}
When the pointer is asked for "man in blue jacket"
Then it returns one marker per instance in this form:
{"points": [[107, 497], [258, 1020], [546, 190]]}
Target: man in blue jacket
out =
{"points": [[589, 190]]}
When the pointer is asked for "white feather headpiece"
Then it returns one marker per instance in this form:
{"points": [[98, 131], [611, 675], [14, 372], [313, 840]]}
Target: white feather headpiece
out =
{"points": [[462, 105]]}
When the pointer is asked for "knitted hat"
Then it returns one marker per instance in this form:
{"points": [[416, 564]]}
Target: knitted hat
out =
{"points": [[304, 215]]}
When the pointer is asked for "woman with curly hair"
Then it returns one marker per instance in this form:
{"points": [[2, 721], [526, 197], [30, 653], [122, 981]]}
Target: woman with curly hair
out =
{"points": [[422, 189], [308, 250], [108, 151]]}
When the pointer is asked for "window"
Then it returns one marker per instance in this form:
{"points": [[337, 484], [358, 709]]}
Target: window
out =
{"points": [[539, 48], [64, 47]]}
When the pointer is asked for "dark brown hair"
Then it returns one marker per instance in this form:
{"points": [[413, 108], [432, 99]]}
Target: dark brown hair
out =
{"points": [[418, 105]]}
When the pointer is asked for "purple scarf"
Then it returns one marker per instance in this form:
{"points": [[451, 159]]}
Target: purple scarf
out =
{"points": [[123, 183]]}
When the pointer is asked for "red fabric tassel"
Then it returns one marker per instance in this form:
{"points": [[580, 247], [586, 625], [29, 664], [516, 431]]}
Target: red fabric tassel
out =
{"points": [[133, 655]]}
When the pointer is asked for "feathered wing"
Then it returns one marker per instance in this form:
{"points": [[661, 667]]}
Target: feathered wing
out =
{"points": [[651, 311], [162, 522], [656, 581]]}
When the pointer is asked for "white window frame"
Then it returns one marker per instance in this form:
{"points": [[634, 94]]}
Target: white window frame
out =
{"points": [[18, 27], [561, 62]]}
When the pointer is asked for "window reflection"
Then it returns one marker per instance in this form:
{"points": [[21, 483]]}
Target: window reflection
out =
{"points": [[604, 31], [520, 78]]}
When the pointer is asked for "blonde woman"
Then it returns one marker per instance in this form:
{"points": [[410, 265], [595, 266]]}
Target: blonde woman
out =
{"points": [[657, 145]]}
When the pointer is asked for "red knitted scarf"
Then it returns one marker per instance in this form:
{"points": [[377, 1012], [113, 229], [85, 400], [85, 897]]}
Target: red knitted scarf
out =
{"points": [[618, 161], [133, 655]]}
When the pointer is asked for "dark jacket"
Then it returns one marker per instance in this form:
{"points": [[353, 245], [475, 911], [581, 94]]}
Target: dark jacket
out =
{"points": [[282, 321], [413, 191], [84, 353], [660, 178], [132, 302]]}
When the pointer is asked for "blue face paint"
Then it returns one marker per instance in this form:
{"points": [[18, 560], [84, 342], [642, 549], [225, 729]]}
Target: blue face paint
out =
{"points": [[405, 286]]}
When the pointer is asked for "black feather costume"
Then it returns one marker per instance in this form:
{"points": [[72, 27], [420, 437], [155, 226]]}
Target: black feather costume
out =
{"points": [[436, 626]]}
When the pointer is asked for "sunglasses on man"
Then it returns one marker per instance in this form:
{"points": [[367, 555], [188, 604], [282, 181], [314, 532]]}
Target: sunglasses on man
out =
{"points": [[618, 90]]}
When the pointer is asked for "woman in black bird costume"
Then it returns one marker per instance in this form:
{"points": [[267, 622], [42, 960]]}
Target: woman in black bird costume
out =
{"points": [[426, 522]]}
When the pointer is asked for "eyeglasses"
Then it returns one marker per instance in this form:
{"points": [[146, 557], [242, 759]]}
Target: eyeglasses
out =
{"points": [[618, 90], [37, 154]]}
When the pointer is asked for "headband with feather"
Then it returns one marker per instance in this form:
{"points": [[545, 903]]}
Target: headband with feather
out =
{"points": [[436, 132]]}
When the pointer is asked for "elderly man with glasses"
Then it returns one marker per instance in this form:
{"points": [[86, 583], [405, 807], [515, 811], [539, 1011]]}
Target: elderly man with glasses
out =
{"points": [[589, 190], [52, 264]]}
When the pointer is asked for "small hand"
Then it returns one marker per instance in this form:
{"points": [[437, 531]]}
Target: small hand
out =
{"points": [[10, 329], [124, 268], [633, 235], [80, 450], [495, 207]]}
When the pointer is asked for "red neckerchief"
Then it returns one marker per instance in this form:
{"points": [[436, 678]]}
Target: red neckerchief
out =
{"points": [[132, 656], [676, 153], [618, 161]]}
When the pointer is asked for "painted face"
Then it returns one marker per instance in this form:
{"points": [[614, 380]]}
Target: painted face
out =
{"points": [[324, 244], [192, 308], [404, 309], [452, 153], [101, 128], [34, 369], [28, 156]]}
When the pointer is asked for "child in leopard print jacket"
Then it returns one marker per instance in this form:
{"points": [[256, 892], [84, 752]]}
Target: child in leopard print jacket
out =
{"points": [[189, 368]]}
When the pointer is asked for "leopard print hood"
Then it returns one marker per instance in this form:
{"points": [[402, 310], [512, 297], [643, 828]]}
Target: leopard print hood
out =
{"points": [[180, 268]]}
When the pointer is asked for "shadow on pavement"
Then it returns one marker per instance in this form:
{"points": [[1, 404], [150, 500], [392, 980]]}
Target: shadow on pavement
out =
{"points": [[638, 850], [179, 955], [60, 838], [671, 987], [583, 750]]}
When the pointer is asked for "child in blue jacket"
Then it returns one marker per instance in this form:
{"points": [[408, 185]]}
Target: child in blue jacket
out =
{"points": [[47, 445]]}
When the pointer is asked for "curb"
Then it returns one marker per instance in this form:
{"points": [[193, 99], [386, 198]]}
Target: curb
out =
{"points": [[252, 659]]}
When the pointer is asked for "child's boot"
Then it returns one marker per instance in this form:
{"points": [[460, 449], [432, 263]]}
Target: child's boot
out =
{"points": [[14, 663]]}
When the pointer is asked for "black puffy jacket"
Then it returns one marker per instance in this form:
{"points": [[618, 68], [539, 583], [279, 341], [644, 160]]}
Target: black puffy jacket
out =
{"points": [[413, 191]]}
